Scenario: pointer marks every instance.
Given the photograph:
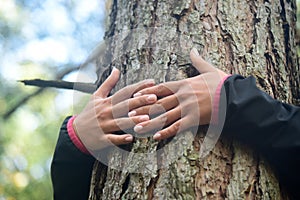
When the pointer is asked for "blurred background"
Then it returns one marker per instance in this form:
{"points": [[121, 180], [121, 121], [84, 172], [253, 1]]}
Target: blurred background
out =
{"points": [[41, 39]]}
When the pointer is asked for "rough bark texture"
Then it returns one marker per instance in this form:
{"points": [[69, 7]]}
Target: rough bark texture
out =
{"points": [[245, 37]]}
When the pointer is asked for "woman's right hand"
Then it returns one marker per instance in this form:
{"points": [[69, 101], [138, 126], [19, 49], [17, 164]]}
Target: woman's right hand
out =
{"points": [[103, 115], [183, 104]]}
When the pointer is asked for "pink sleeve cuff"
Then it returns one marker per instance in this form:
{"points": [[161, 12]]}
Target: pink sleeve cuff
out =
{"points": [[74, 138], [216, 103]]}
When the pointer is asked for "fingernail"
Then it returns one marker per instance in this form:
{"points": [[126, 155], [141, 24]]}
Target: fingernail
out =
{"points": [[129, 138], [138, 128], [132, 113], [144, 118], [150, 82], [156, 136], [138, 94], [151, 98], [195, 51], [113, 69]]}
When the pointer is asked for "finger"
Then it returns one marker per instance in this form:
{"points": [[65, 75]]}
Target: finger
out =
{"points": [[171, 130], [162, 105], [122, 124], [108, 84], [159, 122], [199, 63], [119, 139], [124, 107], [128, 91], [161, 90]]}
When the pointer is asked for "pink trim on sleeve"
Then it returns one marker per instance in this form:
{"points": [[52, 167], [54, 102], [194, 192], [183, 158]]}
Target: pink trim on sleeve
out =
{"points": [[215, 111], [74, 138]]}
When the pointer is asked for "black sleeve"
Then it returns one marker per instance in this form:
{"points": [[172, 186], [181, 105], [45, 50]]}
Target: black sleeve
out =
{"points": [[270, 126], [70, 169]]}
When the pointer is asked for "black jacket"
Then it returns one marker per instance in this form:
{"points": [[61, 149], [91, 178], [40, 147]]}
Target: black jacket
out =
{"points": [[70, 169], [252, 117], [272, 127]]}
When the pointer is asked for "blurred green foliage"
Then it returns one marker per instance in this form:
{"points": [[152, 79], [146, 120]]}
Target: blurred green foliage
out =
{"points": [[37, 40], [28, 137]]}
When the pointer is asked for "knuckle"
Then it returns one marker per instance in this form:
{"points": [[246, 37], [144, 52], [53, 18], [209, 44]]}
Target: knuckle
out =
{"points": [[160, 102], [104, 113], [106, 101], [145, 109], [125, 93], [119, 123], [123, 125], [103, 104], [138, 111], [160, 88], [104, 127], [173, 130], [129, 90], [184, 95], [176, 126], [142, 100], [158, 107], [108, 139], [142, 110], [137, 86], [163, 118]]}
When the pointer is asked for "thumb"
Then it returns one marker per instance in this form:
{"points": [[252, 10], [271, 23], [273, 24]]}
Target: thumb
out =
{"points": [[108, 84], [199, 63]]}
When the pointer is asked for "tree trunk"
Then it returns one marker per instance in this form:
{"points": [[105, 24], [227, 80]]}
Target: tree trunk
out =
{"points": [[152, 39]]}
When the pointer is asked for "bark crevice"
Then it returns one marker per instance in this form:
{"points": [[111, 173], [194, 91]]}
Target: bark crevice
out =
{"points": [[246, 37]]}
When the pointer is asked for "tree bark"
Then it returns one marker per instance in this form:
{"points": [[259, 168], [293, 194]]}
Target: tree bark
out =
{"points": [[152, 39]]}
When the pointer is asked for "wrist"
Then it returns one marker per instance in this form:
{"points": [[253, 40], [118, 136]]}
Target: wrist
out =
{"points": [[216, 101], [71, 127]]}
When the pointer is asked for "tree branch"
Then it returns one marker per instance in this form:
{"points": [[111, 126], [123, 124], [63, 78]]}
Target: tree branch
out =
{"points": [[21, 102], [84, 87], [79, 86]]}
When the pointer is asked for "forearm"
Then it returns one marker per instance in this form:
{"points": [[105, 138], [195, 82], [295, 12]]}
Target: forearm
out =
{"points": [[268, 125], [255, 117], [70, 169]]}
